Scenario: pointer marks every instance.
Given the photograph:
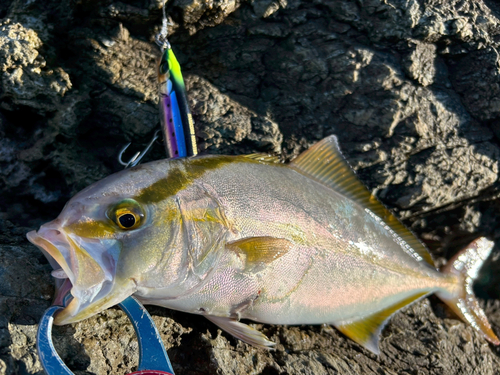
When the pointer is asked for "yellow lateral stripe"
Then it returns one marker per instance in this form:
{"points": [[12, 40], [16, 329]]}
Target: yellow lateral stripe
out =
{"points": [[182, 174], [206, 215], [92, 229]]}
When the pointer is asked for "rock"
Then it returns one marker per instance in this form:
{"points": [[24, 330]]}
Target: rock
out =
{"points": [[25, 77], [197, 14], [410, 88], [420, 63], [222, 122]]}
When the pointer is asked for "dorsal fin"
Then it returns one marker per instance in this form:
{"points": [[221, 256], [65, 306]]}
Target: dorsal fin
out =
{"points": [[264, 158], [324, 163]]}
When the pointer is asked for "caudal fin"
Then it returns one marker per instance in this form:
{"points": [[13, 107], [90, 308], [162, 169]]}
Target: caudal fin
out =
{"points": [[466, 265]]}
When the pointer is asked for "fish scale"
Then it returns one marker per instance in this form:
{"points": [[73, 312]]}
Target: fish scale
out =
{"points": [[231, 237]]}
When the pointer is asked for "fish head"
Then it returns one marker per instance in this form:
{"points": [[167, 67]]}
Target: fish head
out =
{"points": [[106, 240]]}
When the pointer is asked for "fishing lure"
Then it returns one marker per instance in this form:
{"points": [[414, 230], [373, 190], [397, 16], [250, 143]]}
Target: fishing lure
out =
{"points": [[176, 119]]}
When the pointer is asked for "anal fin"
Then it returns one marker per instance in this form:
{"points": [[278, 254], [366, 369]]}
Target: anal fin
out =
{"points": [[242, 331], [366, 331]]}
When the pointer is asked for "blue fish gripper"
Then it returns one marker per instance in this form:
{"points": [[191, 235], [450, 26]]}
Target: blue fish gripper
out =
{"points": [[153, 358]]}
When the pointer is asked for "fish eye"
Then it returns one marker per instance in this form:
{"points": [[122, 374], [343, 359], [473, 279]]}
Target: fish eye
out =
{"points": [[126, 220], [127, 214]]}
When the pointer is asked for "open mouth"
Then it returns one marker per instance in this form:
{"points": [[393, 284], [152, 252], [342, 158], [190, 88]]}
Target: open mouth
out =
{"points": [[85, 267], [56, 249], [63, 286]]}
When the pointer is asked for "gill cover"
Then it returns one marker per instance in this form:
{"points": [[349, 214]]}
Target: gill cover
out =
{"points": [[90, 266]]}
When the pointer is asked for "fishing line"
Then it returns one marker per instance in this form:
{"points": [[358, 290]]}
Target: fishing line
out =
{"points": [[161, 38], [164, 29]]}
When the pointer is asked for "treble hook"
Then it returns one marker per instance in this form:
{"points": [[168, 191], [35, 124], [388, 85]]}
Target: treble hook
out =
{"points": [[136, 159]]}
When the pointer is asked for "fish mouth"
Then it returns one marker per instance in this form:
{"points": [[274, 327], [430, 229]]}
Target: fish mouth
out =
{"points": [[84, 266]]}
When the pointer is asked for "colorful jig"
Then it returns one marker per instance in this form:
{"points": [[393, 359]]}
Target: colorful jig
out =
{"points": [[176, 119]]}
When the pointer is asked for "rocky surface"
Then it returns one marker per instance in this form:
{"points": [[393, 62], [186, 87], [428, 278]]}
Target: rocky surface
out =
{"points": [[412, 89]]}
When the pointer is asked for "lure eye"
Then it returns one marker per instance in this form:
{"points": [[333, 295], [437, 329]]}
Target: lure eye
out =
{"points": [[164, 68], [127, 214]]}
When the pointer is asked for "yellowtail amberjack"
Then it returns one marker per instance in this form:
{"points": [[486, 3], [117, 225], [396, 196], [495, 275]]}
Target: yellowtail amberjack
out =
{"points": [[231, 237]]}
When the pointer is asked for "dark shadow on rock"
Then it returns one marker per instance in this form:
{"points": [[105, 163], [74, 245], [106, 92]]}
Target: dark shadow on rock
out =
{"points": [[72, 352]]}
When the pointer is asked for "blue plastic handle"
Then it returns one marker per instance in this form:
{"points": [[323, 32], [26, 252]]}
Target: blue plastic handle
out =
{"points": [[51, 362], [153, 358], [152, 353]]}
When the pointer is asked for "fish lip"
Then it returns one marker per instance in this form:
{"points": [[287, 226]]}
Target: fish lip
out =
{"points": [[74, 312], [77, 257], [56, 260]]}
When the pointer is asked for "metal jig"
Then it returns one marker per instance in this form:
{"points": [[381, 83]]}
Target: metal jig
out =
{"points": [[162, 42], [136, 159]]}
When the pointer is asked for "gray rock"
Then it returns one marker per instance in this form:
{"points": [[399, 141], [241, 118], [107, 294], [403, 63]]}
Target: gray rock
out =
{"points": [[25, 76], [411, 89], [222, 122]]}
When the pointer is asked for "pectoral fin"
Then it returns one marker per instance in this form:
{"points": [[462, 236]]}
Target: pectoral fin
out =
{"points": [[258, 250], [242, 331], [366, 331]]}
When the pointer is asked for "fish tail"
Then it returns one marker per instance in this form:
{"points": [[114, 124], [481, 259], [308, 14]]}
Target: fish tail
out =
{"points": [[465, 267]]}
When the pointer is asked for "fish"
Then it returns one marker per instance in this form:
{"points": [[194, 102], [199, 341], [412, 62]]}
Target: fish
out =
{"points": [[248, 237]]}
